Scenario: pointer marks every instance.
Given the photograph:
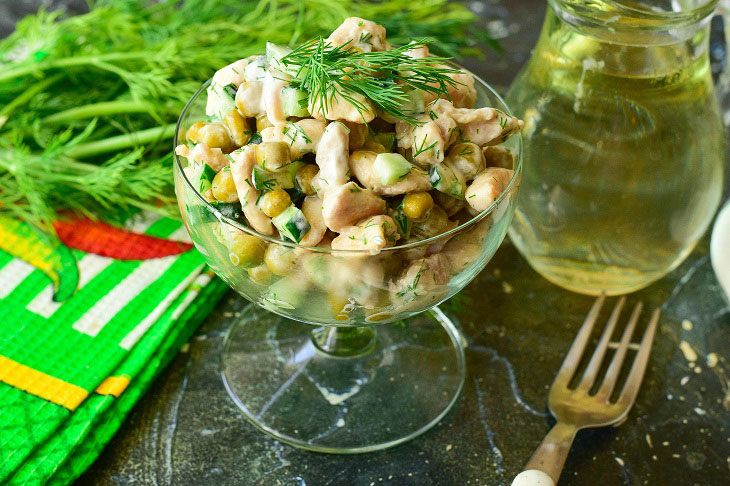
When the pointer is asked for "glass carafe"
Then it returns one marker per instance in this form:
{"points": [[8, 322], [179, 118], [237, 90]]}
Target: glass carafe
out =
{"points": [[624, 145]]}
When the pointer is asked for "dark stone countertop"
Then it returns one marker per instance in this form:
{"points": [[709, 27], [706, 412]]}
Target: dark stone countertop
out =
{"points": [[186, 430]]}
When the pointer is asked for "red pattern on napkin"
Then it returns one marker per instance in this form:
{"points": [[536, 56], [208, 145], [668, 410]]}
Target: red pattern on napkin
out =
{"points": [[106, 240]]}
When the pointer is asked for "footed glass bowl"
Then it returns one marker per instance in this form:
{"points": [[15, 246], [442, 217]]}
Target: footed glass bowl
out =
{"points": [[336, 357]]}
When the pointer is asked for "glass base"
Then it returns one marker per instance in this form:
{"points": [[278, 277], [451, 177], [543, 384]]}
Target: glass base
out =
{"points": [[289, 386], [592, 279], [586, 277]]}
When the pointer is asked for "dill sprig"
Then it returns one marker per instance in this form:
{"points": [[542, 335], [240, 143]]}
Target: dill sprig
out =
{"points": [[327, 72], [33, 185]]}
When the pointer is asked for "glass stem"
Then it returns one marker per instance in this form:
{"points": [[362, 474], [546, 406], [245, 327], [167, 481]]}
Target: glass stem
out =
{"points": [[344, 342]]}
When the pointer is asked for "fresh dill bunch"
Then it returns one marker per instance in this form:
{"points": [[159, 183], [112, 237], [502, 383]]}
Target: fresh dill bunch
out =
{"points": [[32, 185], [327, 72]]}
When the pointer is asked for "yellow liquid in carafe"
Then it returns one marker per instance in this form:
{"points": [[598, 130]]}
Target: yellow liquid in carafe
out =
{"points": [[623, 160]]}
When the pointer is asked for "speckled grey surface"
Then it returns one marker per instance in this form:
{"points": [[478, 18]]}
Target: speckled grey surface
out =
{"points": [[186, 430]]}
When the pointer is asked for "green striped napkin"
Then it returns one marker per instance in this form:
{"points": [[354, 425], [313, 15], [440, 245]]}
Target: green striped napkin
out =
{"points": [[84, 329]]}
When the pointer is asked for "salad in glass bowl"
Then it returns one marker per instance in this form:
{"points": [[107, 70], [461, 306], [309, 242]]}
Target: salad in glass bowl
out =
{"points": [[346, 183]]}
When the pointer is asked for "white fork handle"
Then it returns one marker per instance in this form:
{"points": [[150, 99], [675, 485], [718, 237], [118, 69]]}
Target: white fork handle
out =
{"points": [[549, 458], [533, 477]]}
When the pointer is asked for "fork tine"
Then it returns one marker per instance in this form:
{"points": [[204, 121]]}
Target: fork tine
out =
{"points": [[636, 375], [570, 363], [617, 361], [589, 375]]}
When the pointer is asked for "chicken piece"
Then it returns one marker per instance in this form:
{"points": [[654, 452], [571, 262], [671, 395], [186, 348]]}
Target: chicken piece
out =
{"points": [[466, 248], [487, 187], [462, 95], [327, 240], [404, 134], [414, 252], [312, 209], [302, 136], [274, 82], [243, 161], [317, 268], [440, 112], [249, 99], [214, 157], [353, 280], [333, 157], [467, 158], [485, 126], [373, 234], [182, 150], [344, 205], [424, 283], [231, 74], [438, 245], [433, 271], [338, 108], [362, 164], [365, 282], [428, 143], [256, 69], [361, 34], [418, 51], [496, 156]]}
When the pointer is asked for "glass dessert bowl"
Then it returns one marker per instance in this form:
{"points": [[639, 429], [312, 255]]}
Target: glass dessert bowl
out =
{"points": [[346, 351]]}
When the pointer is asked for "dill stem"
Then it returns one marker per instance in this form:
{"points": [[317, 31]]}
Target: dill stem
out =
{"points": [[27, 95], [68, 62], [99, 109], [121, 141]]}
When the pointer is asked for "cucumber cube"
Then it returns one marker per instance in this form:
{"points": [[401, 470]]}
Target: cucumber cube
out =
{"points": [[292, 224], [402, 222], [391, 168], [318, 270], [274, 54], [294, 102], [206, 178], [203, 214], [416, 103], [226, 101], [229, 210], [263, 180], [446, 179], [287, 293]]}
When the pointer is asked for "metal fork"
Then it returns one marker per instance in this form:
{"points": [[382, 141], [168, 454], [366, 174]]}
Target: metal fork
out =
{"points": [[578, 408]]}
